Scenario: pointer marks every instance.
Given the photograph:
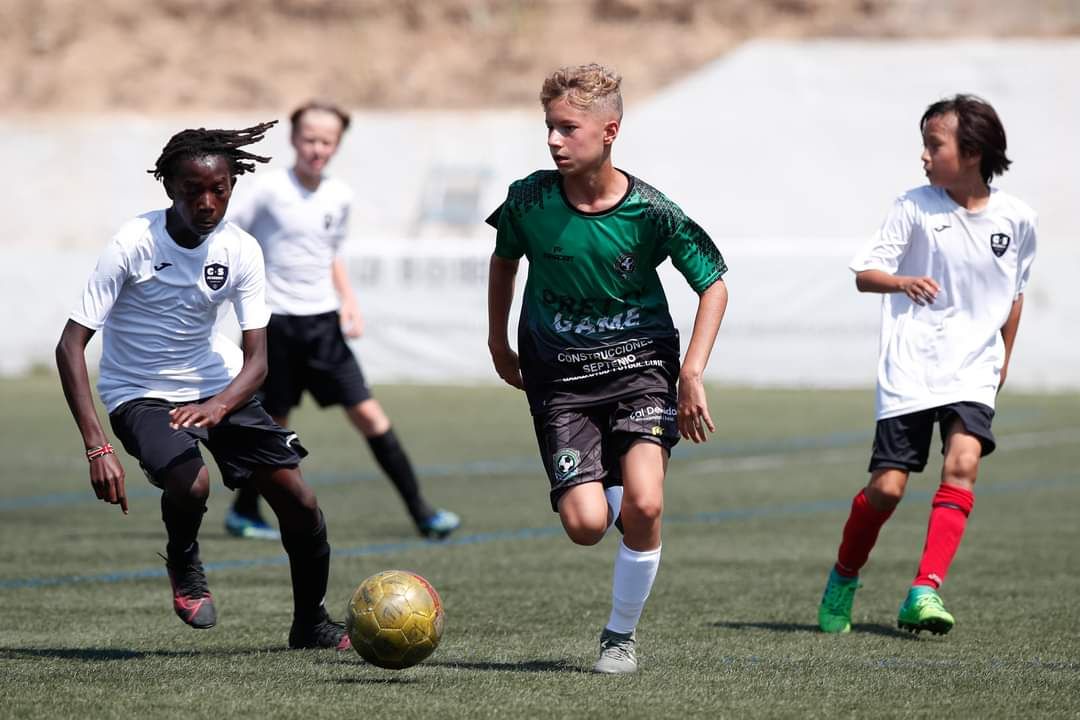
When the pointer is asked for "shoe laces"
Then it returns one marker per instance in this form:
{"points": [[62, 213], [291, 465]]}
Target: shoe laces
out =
{"points": [[616, 647], [930, 600], [188, 577], [839, 596]]}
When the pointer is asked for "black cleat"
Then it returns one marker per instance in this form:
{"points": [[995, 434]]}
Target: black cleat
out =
{"points": [[191, 594], [322, 633]]}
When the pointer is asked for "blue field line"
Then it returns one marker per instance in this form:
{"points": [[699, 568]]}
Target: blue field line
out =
{"points": [[714, 517], [715, 449], [493, 467]]}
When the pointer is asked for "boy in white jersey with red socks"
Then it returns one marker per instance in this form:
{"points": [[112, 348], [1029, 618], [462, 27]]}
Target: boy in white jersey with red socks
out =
{"points": [[300, 216], [168, 382], [952, 261]]}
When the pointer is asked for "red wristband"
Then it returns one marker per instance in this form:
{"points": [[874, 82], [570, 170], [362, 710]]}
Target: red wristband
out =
{"points": [[95, 452]]}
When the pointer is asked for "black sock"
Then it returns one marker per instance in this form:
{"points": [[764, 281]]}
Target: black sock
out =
{"points": [[246, 501], [395, 463], [182, 527], [309, 566]]}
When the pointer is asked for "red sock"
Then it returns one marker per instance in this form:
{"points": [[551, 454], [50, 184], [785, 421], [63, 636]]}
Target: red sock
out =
{"points": [[860, 534], [948, 518]]}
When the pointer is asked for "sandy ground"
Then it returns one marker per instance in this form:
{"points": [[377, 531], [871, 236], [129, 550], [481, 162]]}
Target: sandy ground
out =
{"points": [[184, 55]]}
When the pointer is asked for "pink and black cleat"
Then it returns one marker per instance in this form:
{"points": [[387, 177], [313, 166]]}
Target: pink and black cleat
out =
{"points": [[191, 594]]}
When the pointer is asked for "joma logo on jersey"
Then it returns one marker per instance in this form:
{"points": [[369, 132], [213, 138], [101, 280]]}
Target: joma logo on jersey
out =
{"points": [[567, 462], [625, 265], [215, 275], [999, 243]]}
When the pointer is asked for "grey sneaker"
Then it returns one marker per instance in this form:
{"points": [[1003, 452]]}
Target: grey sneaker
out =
{"points": [[617, 654]]}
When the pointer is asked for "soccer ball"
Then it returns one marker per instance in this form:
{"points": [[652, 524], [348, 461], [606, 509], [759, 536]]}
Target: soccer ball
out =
{"points": [[395, 619]]}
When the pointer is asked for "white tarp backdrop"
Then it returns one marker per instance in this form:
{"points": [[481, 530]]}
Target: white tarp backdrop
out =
{"points": [[789, 154]]}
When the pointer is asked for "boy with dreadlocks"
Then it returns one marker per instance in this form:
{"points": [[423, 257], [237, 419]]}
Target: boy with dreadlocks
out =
{"points": [[168, 382], [599, 353]]}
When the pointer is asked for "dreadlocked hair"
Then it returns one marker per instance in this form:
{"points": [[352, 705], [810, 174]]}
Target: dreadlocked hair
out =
{"points": [[202, 143]]}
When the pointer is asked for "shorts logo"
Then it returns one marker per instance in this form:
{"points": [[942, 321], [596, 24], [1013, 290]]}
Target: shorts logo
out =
{"points": [[290, 439], [567, 461], [625, 265], [215, 275], [999, 243]]}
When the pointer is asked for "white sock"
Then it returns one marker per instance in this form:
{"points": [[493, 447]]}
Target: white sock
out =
{"points": [[630, 586], [614, 501]]}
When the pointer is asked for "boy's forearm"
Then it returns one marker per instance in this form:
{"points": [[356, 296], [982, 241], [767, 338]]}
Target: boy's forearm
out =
{"points": [[339, 274], [75, 381], [1011, 326], [501, 274], [878, 281], [712, 304]]}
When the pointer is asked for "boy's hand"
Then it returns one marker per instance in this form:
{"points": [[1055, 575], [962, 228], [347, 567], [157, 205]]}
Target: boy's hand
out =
{"points": [[693, 416], [507, 366], [107, 479], [921, 290], [352, 322], [200, 415]]}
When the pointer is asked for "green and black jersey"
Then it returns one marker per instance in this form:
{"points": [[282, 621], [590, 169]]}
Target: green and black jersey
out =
{"points": [[594, 322]]}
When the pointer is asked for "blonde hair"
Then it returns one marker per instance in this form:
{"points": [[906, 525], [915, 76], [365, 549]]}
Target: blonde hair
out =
{"points": [[590, 87]]}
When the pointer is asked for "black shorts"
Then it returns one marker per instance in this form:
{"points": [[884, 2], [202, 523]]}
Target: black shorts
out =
{"points": [[580, 445], [245, 440], [309, 352], [903, 442]]}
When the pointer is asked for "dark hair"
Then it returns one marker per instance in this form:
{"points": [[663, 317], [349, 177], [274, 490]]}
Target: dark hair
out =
{"points": [[202, 143], [978, 131], [324, 106]]}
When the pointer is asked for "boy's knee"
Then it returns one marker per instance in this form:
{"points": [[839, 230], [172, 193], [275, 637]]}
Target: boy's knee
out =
{"points": [[585, 535], [641, 512], [188, 485], [961, 468], [886, 488]]}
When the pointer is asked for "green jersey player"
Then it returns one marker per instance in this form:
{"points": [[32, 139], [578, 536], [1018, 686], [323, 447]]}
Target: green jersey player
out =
{"points": [[599, 354]]}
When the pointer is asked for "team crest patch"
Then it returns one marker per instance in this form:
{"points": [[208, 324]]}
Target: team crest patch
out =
{"points": [[999, 243], [215, 275], [567, 462], [625, 265], [328, 221]]}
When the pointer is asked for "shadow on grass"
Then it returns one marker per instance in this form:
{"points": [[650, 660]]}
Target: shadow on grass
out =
{"points": [[388, 680], [530, 666], [869, 629], [109, 654]]}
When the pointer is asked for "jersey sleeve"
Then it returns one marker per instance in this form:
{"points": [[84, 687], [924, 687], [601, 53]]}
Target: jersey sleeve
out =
{"points": [[103, 287], [1027, 257], [509, 244], [695, 255], [249, 299], [890, 243]]}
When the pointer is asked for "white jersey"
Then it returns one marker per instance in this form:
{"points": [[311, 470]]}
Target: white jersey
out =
{"points": [[950, 350], [301, 233], [158, 302]]}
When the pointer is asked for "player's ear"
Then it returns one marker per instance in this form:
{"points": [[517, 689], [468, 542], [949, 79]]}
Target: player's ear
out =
{"points": [[611, 131], [167, 184]]}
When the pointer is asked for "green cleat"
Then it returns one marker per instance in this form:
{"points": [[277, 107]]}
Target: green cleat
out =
{"points": [[922, 610], [834, 613]]}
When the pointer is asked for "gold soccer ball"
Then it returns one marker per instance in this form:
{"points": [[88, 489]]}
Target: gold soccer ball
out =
{"points": [[395, 619]]}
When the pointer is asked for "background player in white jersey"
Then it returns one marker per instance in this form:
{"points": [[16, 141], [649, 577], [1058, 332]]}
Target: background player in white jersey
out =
{"points": [[952, 260], [168, 383], [300, 217]]}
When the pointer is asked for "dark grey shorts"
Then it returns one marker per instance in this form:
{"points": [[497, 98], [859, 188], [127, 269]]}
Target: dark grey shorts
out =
{"points": [[246, 439], [903, 442], [309, 352], [580, 445]]}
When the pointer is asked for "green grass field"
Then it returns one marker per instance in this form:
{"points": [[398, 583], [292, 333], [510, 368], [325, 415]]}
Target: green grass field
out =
{"points": [[752, 523]]}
